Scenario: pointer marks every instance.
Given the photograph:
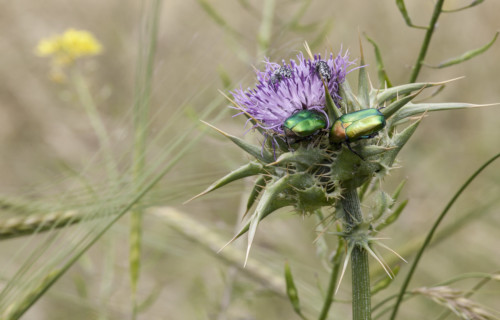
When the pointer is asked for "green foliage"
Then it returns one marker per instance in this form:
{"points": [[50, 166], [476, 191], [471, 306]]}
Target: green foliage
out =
{"points": [[466, 56], [410, 109], [381, 72], [255, 151], [291, 291], [363, 82], [384, 282], [250, 169], [402, 8], [472, 4]]}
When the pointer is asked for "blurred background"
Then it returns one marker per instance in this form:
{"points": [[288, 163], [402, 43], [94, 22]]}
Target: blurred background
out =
{"points": [[47, 145]]}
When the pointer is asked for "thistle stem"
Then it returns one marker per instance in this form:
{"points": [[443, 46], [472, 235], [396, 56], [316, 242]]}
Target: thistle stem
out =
{"points": [[361, 300], [425, 44]]}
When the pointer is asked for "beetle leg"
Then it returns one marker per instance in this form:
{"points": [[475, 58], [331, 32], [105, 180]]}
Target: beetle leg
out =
{"points": [[349, 146], [289, 142], [373, 135]]}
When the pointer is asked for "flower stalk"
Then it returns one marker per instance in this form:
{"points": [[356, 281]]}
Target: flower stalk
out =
{"points": [[361, 299]]}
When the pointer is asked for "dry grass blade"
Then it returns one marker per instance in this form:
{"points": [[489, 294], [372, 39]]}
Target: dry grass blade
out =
{"points": [[456, 302]]}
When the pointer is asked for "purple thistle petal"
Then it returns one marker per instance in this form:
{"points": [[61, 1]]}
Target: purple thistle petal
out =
{"points": [[278, 94]]}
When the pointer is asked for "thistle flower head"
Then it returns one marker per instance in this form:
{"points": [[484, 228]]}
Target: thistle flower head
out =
{"points": [[358, 143], [285, 89]]}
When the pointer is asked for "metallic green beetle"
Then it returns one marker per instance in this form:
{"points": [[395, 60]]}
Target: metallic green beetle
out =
{"points": [[303, 124], [362, 124]]}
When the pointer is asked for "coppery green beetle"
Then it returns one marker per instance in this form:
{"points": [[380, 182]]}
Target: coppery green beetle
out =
{"points": [[362, 124]]}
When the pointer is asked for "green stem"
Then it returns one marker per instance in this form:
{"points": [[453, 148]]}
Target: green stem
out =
{"points": [[87, 101], [337, 259], [361, 299], [425, 45], [433, 230]]}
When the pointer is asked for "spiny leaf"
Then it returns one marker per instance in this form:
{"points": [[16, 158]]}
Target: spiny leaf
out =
{"points": [[259, 185], [382, 73], [250, 169], [410, 109], [332, 110], [391, 93], [466, 56], [402, 8], [399, 141], [312, 197], [398, 104], [343, 102], [373, 150], [305, 157], [253, 150], [271, 200], [348, 98]]}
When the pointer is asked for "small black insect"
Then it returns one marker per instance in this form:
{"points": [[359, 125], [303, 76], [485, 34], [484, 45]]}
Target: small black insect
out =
{"points": [[280, 74], [323, 70]]}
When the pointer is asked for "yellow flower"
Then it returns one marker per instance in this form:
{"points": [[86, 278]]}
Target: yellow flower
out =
{"points": [[69, 46]]}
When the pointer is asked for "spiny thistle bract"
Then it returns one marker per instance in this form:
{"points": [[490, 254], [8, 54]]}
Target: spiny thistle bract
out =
{"points": [[311, 172]]}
